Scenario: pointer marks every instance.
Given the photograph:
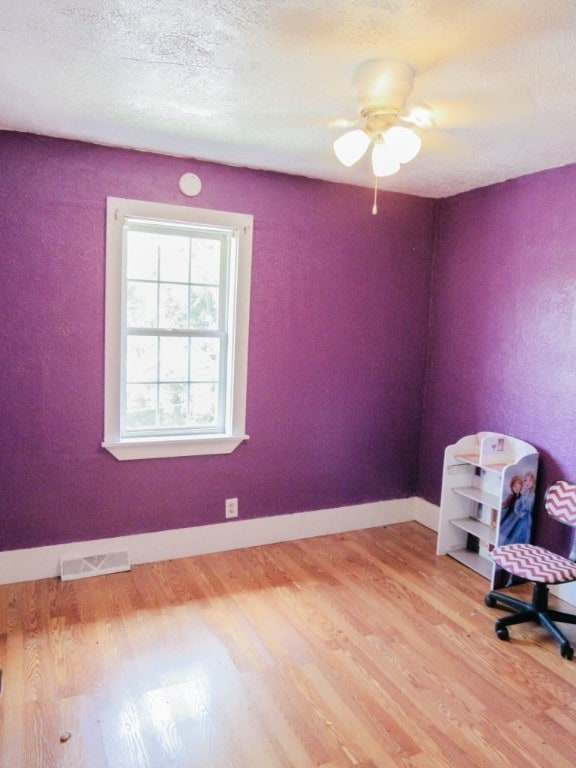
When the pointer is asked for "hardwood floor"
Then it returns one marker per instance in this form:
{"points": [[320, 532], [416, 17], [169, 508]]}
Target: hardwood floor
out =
{"points": [[362, 649]]}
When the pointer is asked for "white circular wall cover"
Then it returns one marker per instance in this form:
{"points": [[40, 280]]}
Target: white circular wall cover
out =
{"points": [[190, 184]]}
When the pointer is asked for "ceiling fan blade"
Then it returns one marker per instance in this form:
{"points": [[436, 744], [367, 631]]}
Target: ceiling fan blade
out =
{"points": [[342, 123], [475, 109]]}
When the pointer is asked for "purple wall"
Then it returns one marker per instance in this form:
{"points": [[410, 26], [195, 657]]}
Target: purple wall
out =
{"points": [[502, 351], [338, 329]]}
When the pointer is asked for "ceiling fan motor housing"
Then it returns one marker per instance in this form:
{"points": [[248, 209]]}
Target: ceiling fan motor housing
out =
{"points": [[382, 85]]}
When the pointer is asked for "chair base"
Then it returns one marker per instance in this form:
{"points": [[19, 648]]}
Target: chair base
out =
{"points": [[537, 611]]}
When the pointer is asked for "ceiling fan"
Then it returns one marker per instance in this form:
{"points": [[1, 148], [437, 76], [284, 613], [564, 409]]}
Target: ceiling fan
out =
{"points": [[382, 87], [390, 124]]}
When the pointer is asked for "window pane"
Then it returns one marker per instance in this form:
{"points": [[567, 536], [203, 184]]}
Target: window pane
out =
{"points": [[174, 258], [204, 359], [173, 359], [141, 305], [205, 261], [173, 309], [142, 256], [172, 404], [141, 358], [203, 405], [140, 406], [203, 308]]}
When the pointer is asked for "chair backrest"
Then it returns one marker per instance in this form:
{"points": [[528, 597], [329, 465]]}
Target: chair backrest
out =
{"points": [[560, 502]]}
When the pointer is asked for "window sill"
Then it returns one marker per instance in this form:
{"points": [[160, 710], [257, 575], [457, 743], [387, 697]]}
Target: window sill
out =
{"points": [[164, 448]]}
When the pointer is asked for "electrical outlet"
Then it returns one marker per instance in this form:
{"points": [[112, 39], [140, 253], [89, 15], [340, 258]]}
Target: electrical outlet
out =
{"points": [[231, 508]]}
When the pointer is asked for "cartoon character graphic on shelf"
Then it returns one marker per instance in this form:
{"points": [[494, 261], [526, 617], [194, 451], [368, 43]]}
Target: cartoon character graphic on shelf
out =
{"points": [[512, 499], [516, 515], [516, 519]]}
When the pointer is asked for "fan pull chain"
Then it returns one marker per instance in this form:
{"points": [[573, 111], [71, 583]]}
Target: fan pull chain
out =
{"points": [[375, 206]]}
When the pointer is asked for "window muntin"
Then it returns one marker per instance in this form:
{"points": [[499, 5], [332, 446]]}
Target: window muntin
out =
{"points": [[176, 329]]}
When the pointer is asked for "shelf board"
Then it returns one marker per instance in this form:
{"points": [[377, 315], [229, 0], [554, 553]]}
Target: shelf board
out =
{"points": [[473, 560], [469, 458], [474, 459], [476, 528], [479, 495]]}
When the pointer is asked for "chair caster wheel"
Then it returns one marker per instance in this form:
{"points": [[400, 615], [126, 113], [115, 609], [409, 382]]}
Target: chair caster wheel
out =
{"points": [[490, 601], [502, 633], [567, 652]]}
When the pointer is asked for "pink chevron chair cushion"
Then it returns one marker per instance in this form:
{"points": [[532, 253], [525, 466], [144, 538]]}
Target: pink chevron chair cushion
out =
{"points": [[534, 563], [560, 502]]}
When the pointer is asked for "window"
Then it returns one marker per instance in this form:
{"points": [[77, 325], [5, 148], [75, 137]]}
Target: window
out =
{"points": [[177, 300]]}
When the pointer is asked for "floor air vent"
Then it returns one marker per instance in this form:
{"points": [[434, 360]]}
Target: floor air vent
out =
{"points": [[95, 565]]}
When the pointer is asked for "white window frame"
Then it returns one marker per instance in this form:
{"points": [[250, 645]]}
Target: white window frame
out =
{"points": [[233, 432]]}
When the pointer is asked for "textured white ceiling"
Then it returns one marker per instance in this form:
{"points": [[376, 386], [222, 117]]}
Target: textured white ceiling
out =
{"points": [[258, 83]]}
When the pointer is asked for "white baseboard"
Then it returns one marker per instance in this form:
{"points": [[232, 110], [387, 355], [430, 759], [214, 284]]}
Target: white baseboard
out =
{"points": [[566, 592], [426, 513], [44, 562]]}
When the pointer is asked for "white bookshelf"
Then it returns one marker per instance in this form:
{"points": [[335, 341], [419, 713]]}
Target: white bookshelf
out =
{"points": [[476, 476]]}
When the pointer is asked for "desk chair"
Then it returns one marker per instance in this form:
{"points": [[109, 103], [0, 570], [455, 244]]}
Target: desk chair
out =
{"points": [[541, 567]]}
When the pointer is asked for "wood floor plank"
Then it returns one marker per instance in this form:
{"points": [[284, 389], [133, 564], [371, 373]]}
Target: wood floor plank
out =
{"points": [[358, 650]]}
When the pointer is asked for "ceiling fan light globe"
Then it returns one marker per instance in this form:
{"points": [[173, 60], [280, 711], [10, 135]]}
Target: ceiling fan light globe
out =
{"points": [[383, 162], [351, 146], [403, 143]]}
